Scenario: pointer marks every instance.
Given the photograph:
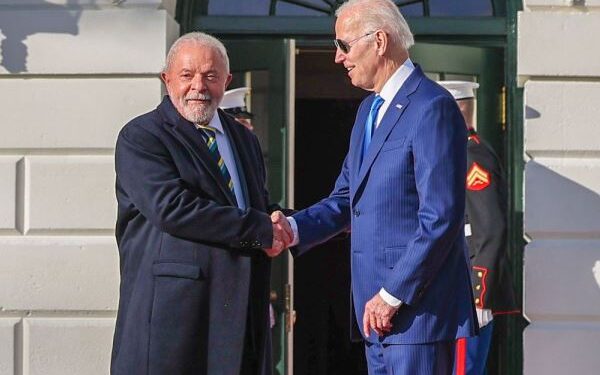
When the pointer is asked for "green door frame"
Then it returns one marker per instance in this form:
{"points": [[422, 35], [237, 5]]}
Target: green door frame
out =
{"points": [[483, 62], [272, 56], [476, 31]]}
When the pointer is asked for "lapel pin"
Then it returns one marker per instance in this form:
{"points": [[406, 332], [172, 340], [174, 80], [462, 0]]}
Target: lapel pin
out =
{"points": [[399, 106]]}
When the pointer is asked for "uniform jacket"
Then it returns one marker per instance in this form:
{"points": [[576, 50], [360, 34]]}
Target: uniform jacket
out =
{"points": [[405, 207], [192, 271], [486, 228]]}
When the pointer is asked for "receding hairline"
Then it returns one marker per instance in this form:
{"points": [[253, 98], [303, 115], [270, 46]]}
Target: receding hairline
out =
{"points": [[200, 40], [369, 15]]}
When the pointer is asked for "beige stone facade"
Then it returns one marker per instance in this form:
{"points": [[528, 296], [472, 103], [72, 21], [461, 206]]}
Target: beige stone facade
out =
{"points": [[559, 65], [74, 71], [72, 74]]}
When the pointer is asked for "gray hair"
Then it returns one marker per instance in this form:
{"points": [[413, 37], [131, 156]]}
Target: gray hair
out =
{"points": [[381, 14], [202, 39]]}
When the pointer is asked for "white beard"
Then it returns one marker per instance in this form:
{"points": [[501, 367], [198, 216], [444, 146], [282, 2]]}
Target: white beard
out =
{"points": [[197, 114]]}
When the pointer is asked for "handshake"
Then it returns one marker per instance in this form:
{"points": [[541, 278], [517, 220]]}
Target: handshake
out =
{"points": [[283, 234]]}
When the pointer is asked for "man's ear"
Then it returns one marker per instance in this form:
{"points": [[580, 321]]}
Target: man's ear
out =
{"points": [[382, 41], [164, 77], [228, 80]]}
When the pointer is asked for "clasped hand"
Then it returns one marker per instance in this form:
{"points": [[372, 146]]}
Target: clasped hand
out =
{"points": [[282, 234]]}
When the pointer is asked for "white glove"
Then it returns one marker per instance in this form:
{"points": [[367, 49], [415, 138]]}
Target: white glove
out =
{"points": [[484, 317]]}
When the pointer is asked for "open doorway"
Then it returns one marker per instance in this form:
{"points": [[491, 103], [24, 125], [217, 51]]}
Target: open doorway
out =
{"points": [[326, 104]]}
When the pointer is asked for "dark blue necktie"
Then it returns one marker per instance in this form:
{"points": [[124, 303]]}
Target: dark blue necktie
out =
{"points": [[209, 135], [370, 123]]}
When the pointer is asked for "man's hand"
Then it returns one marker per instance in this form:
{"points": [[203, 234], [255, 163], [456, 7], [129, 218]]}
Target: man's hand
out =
{"points": [[378, 316], [282, 234]]}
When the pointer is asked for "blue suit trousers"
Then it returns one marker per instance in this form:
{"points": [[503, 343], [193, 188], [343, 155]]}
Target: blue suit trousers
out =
{"points": [[422, 359]]}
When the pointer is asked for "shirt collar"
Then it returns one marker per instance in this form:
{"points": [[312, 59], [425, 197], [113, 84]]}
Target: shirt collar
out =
{"points": [[215, 123], [393, 84]]}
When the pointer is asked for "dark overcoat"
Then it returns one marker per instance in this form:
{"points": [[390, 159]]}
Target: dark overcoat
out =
{"points": [[194, 279]]}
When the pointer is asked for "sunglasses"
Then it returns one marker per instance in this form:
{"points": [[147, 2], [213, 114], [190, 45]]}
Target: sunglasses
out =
{"points": [[345, 46]]}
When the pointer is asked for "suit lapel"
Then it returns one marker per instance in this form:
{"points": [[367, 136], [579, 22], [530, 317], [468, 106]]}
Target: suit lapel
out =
{"points": [[187, 133], [388, 122], [358, 138]]}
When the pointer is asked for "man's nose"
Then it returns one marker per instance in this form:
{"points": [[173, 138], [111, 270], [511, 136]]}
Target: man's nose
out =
{"points": [[197, 83], [339, 56]]}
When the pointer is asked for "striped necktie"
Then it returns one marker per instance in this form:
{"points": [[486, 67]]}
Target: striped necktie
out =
{"points": [[370, 123], [209, 134]]}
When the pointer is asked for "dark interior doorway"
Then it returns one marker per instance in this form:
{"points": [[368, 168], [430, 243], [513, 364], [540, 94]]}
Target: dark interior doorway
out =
{"points": [[326, 104]]}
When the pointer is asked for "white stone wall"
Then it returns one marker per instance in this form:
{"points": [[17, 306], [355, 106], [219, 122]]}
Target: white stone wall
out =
{"points": [[559, 65], [72, 73]]}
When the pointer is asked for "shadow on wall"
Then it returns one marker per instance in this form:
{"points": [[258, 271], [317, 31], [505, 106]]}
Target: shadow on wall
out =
{"points": [[562, 218], [17, 29], [559, 207], [531, 113]]}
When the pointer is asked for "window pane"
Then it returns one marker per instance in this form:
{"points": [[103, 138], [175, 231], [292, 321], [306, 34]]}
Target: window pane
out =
{"points": [[444, 8], [438, 8], [412, 10], [287, 9], [238, 8]]}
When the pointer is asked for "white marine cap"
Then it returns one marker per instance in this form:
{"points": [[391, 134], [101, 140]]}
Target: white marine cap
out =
{"points": [[234, 98], [460, 89]]}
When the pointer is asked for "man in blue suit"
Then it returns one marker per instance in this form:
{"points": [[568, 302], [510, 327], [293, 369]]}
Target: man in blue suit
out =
{"points": [[193, 229], [401, 193]]}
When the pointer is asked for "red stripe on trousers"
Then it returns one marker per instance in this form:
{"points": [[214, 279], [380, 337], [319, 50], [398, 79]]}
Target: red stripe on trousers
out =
{"points": [[461, 356]]}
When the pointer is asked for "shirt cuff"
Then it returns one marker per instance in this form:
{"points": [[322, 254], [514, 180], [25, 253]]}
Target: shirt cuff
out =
{"points": [[389, 299], [294, 226]]}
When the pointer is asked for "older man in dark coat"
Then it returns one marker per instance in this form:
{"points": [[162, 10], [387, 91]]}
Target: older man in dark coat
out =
{"points": [[193, 229]]}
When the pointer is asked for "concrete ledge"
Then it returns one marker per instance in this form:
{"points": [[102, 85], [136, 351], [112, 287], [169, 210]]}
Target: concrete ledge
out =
{"points": [[559, 349], [561, 4], [558, 44], [59, 274], [562, 198], [7, 343], [78, 41], [561, 116], [8, 192], [88, 113], [59, 346], [71, 192], [575, 294]]}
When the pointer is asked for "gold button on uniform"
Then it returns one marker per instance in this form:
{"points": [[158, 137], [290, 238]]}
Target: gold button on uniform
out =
{"points": [[480, 274], [477, 287], [476, 300]]}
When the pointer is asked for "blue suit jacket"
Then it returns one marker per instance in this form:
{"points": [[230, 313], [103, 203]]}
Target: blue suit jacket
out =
{"points": [[192, 271], [405, 206]]}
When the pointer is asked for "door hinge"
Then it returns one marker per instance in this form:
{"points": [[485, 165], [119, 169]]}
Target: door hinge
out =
{"points": [[502, 105]]}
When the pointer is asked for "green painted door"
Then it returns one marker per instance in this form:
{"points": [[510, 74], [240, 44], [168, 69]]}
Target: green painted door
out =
{"points": [[265, 66]]}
